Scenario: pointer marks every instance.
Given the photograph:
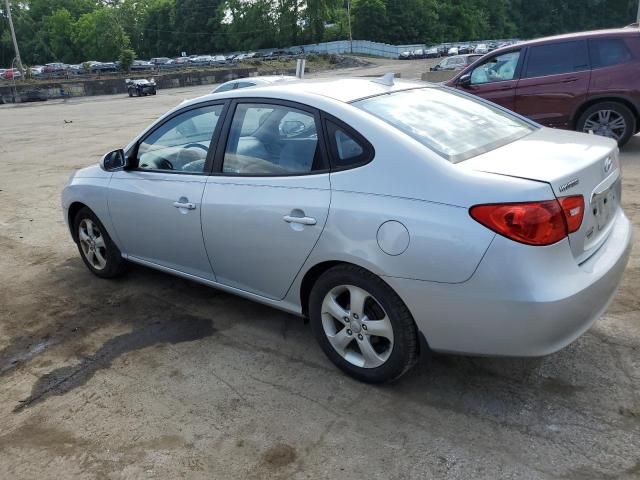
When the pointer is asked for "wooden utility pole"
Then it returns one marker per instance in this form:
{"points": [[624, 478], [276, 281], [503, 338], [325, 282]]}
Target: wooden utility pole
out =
{"points": [[13, 36], [349, 23]]}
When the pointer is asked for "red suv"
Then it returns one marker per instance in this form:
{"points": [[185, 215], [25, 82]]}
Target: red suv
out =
{"points": [[588, 81]]}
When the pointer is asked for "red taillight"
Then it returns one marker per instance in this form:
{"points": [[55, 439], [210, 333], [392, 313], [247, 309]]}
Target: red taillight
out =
{"points": [[533, 223], [573, 208]]}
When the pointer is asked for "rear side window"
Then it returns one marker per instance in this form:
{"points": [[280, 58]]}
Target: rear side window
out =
{"points": [[348, 150], [608, 51], [557, 58]]}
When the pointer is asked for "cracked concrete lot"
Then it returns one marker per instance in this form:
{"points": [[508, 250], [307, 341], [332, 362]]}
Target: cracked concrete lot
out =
{"points": [[151, 376]]}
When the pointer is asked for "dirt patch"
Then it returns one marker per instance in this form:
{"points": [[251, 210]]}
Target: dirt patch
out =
{"points": [[279, 456]]}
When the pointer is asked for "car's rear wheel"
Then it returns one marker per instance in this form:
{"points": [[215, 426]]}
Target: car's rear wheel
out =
{"points": [[362, 325], [608, 119], [97, 250]]}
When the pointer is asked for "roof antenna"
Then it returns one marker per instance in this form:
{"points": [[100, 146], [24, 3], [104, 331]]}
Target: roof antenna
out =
{"points": [[386, 79]]}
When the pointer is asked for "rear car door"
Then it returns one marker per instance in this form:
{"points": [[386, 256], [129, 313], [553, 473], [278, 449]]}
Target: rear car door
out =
{"points": [[496, 78], [266, 204], [155, 205], [554, 82]]}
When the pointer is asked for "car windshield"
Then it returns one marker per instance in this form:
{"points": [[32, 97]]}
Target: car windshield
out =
{"points": [[451, 124]]}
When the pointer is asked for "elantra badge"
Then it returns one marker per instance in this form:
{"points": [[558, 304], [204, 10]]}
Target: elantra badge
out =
{"points": [[568, 185]]}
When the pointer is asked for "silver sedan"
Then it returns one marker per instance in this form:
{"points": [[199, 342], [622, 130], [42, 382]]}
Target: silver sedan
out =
{"points": [[396, 216]]}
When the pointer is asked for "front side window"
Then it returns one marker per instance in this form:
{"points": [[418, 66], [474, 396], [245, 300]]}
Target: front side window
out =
{"points": [[557, 58], [451, 124], [182, 143], [608, 51], [497, 69], [267, 139]]}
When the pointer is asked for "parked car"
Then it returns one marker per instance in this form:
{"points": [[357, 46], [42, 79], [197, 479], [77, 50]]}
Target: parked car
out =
{"points": [[452, 51], [464, 49], [431, 52], [418, 53], [253, 82], [202, 60], [481, 48], [11, 74], [159, 60], [54, 69], [141, 65], [583, 81], [490, 241], [457, 62], [406, 55], [140, 87], [182, 61]]}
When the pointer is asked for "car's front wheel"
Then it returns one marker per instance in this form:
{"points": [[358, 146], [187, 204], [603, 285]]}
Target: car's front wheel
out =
{"points": [[362, 325], [97, 250]]}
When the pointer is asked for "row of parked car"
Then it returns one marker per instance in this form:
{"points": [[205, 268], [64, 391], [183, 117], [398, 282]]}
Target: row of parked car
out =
{"points": [[447, 49], [58, 69]]}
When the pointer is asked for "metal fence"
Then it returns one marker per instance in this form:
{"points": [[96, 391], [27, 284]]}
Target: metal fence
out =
{"points": [[361, 47]]}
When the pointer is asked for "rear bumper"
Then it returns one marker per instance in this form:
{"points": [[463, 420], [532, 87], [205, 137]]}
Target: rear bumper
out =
{"points": [[521, 301]]}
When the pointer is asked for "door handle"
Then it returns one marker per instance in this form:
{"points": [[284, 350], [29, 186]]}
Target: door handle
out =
{"points": [[187, 205], [570, 80], [300, 220]]}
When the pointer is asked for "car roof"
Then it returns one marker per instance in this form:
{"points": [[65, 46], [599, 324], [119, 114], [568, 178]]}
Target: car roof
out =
{"points": [[630, 31], [343, 90]]}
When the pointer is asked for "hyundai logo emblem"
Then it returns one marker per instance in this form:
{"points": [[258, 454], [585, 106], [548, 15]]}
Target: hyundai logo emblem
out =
{"points": [[608, 163]]}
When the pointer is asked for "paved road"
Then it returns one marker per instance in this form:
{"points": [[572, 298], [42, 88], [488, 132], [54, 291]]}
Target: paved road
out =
{"points": [[151, 376]]}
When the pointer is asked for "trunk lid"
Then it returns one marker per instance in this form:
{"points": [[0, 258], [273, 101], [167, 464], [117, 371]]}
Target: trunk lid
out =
{"points": [[572, 164]]}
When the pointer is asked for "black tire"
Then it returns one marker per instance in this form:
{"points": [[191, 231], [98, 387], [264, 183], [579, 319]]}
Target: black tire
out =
{"points": [[619, 109], [115, 264], [404, 352]]}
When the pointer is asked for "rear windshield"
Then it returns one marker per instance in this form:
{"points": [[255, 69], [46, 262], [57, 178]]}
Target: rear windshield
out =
{"points": [[451, 124]]}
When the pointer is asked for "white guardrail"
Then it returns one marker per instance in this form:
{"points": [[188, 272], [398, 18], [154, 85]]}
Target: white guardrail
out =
{"points": [[364, 47]]}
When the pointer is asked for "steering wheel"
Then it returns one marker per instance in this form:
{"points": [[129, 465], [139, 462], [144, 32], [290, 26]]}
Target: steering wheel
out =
{"points": [[196, 145], [165, 164], [192, 165]]}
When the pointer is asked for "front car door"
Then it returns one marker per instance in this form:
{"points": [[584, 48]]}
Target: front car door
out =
{"points": [[496, 78], [554, 82], [155, 205], [264, 209]]}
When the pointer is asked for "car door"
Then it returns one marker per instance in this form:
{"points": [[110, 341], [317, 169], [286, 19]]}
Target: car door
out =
{"points": [[264, 210], [496, 78], [554, 82], [155, 205]]}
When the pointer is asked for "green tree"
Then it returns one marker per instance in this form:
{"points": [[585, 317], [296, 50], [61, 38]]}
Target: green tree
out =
{"points": [[127, 56], [369, 20], [59, 28], [99, 36]]}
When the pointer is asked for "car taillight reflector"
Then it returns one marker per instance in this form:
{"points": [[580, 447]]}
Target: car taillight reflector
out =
{"points": [[532, 223], [573, 208]]}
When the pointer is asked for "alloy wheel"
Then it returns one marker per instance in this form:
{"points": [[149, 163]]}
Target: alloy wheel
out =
{"points": [[92, 244], [606, 123], [357, 326]]}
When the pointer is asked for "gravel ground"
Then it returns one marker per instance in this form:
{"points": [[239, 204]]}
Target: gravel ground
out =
{"points": [[151, 376]]}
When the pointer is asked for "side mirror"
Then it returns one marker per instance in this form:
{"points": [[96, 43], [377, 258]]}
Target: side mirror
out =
{"points": [[114, 160], [464, 80]]}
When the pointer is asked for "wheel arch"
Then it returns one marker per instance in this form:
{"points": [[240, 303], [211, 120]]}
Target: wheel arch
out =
{"points": [[74, 208], [607, 98]]}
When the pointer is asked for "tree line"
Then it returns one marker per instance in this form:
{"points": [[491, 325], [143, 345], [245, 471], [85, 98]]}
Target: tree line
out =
{"points": [[73, 31]]}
